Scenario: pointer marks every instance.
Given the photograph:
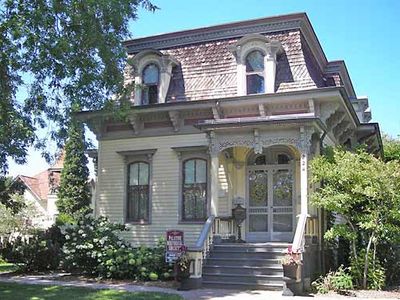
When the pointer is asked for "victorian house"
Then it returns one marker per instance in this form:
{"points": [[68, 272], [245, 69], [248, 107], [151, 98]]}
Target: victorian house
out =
{"points": [[223, 117]]}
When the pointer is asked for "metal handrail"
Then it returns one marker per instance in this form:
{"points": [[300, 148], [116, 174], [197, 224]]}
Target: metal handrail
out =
{"points": [[298, 240], [204, 234]]}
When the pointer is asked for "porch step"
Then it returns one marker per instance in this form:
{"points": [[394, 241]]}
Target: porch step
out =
{"points": [[245, 266], [243, 270], [242, 285]]}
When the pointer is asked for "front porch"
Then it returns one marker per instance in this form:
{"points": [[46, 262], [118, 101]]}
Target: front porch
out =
{"points": [[264, 170]]}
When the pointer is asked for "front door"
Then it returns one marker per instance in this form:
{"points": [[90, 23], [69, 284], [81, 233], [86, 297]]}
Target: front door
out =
{"points": [[270, 203]]}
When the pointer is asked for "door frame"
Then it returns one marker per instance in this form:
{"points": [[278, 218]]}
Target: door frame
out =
{"points": [[270, 236]]}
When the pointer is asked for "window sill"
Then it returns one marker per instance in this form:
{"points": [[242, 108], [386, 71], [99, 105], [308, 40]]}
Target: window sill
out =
{"points": [[137, 223], [188, 222]]}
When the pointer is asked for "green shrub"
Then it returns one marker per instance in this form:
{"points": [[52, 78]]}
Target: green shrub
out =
{"points": [[338, 281], [42, 252], [93, 246], [376, 273]]}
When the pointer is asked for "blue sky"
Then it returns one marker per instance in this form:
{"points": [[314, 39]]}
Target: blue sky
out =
{"points": [[364, 33]]}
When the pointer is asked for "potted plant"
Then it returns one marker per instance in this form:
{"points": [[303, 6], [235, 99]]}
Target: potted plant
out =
{"points": [[291, 263], [182, 271]]}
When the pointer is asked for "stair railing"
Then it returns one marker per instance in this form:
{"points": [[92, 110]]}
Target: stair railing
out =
{"points": [[201, 249], [298, 240]]}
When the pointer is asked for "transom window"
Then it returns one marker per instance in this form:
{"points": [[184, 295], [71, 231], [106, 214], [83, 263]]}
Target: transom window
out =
{"points": [[194, 190], [255, 72], [150, 79], [138, 192]]}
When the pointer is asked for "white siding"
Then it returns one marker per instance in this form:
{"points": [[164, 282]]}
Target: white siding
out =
{"points": [[165, 189]]}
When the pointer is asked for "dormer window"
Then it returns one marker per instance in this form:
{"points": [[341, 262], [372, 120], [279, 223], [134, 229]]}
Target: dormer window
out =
{"points": [[256, 57], [151, 79], [255, 72], [152, 72]]}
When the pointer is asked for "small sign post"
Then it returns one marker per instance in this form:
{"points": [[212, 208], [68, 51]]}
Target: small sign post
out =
{"points": [[175, 245]]}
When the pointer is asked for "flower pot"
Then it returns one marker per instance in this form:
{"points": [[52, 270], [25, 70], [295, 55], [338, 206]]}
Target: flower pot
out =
{"points": [[292, 271]]}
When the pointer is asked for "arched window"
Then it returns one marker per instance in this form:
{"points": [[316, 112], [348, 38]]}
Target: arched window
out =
{"points": [[150, 78], [194, 190], [283, 159], [255, 72], [138, 192]]}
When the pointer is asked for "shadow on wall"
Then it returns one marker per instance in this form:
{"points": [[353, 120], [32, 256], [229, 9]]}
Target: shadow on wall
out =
{"points": [[283, 71], [176, 90]]}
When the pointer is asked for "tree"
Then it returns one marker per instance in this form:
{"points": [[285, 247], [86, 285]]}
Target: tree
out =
{"points": [[9, 188], [74, 195], [391, 148], [60, 52], [365, 192]]}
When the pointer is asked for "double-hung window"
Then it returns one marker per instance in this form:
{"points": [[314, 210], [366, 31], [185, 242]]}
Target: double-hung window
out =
{"points": [[255, 72], [138, 192], [194, 190], [151, 78]]}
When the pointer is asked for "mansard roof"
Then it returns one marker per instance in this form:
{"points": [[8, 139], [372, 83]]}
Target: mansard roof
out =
{"points": [[207, 68]]}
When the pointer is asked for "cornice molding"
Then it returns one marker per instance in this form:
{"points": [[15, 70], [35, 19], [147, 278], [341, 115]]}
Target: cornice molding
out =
{"points": [[214, 33]]}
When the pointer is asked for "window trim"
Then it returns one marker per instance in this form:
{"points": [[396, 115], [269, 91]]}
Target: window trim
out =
{"points": [[129, 157], [127, 219], [144, 85], [249, 73], [184, 154], [270, 49], [182, 183]]}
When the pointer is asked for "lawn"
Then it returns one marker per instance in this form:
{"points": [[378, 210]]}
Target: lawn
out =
{"points": [[14, 291]]}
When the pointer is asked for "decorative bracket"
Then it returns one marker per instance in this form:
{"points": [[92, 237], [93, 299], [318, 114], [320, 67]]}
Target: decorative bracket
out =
{"points": [[134, 121], [175, 118]]}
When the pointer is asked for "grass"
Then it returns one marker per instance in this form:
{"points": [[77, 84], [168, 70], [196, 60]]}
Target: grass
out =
{"points": [[8, 267], [15, 291]]}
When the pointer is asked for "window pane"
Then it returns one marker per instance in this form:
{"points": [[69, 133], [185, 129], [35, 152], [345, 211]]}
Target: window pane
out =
{"points": [[255, 62], [258, 188], [133, 174], [143, 173], [282, 184], [283, 159], [258, 223], [201, 171], [150, 74], [152, 94], [255, 84], [194, 201], [283, 223], [189, 171]]}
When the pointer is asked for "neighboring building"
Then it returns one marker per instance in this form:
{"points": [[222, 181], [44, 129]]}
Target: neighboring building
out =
{"points": [[41, 191], [224, 115]]}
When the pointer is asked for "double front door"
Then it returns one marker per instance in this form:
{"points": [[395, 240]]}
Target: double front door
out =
{"points": [[270, 201]]}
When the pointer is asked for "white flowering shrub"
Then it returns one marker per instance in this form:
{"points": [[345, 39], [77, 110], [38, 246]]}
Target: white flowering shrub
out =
{"points": [[93, 246]]}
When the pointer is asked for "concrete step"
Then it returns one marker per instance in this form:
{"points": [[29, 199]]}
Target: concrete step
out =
{"points": [[218, 248], [241, 278], [243, 270], [242, 286], [247, 255], [243, 262]]}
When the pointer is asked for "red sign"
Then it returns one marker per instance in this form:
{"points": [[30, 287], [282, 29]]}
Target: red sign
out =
{"points": [[175, 245]]}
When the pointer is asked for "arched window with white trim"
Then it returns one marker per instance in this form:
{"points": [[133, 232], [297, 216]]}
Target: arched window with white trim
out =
{"points": [[255, 72], [151, 79]]}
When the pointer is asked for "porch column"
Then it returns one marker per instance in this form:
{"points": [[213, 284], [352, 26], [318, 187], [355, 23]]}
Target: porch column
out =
{"points": [[214, 183], [304, 182]]}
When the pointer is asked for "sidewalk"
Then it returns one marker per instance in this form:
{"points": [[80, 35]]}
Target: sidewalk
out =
{"points": [[200, 294]]}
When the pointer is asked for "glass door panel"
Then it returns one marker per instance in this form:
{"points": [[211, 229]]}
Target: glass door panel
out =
{"points": [[282, 204], [258, 209]]}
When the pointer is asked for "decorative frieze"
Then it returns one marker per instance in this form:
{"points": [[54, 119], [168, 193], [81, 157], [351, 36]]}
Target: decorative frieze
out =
{"points": [[258, 140]]}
